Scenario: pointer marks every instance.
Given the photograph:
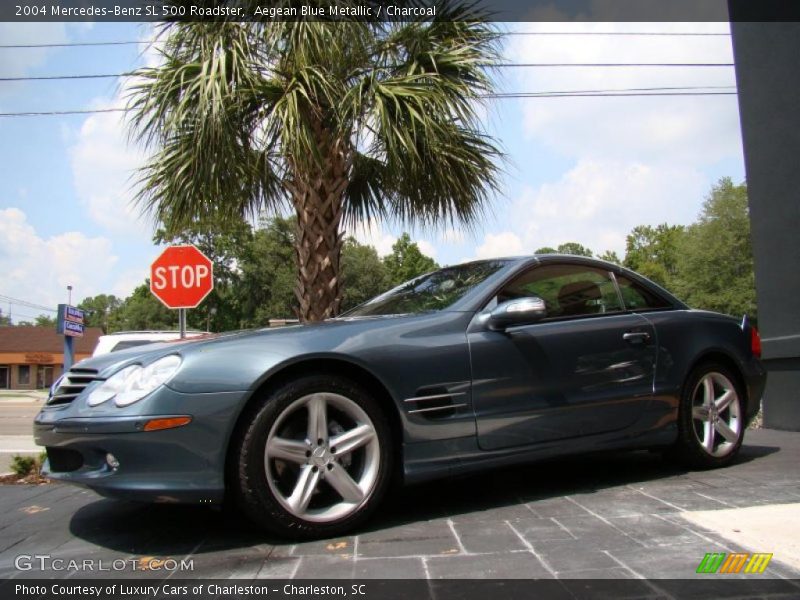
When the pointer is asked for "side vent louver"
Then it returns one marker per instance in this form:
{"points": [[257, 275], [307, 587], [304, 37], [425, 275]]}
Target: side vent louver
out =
{"points": [[436, 403]]}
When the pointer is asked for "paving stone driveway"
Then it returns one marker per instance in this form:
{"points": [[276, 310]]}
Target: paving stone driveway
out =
{"points": [[604, 516]]}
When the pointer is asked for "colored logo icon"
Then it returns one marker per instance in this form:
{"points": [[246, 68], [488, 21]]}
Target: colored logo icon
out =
{"points": [[736, 562]]}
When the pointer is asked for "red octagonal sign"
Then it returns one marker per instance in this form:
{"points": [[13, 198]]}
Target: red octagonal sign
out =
{"points": [[181, 277]]}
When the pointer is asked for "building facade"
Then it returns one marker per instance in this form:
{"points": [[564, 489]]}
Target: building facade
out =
{"points": [[33, 357]]}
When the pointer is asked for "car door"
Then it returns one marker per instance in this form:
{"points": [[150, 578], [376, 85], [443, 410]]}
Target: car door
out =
{"points": [[586, 368]]}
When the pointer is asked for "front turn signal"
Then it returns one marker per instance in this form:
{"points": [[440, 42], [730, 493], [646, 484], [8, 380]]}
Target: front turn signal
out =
{"points": [[166, 423]]}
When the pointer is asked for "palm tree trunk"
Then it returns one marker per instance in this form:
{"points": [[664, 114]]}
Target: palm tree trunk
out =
{"points": [[317, 199]]}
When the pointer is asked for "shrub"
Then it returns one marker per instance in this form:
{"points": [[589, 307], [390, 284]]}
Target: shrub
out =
{"points": [[24, 465]]}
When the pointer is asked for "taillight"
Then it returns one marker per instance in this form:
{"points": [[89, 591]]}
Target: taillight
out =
{"points": [[755, 342]]}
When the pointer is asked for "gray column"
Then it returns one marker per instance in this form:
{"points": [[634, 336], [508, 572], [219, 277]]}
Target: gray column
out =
{"points": [[768, 77]]}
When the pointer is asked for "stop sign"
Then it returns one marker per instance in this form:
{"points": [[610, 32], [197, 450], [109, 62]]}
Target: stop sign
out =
{"points": [[181, 277]]}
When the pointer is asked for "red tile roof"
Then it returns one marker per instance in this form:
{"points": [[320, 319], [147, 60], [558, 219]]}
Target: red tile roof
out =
{"points": [[45, 339]]}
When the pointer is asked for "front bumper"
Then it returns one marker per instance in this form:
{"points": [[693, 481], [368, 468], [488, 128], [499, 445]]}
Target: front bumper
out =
{"points": [[185, 464]]}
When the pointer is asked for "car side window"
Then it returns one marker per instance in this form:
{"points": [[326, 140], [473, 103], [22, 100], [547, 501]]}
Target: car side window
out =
{"points": [[567, 290], [637, 297]]}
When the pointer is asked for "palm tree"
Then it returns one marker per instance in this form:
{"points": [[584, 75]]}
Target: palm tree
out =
{"points": [[342, 121]]}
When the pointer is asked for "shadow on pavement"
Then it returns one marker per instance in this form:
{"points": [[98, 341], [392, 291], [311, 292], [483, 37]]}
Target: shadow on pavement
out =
{"points": [[169, 530], [512, 486]]}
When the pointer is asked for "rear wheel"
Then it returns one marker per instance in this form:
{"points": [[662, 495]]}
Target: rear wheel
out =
{"points": [[315, 458], [712, 417]]}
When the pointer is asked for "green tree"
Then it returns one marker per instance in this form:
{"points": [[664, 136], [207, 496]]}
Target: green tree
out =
{"points": [[546, 250], [653, 251], [5, 321], [100, 310], [142, 311], [573, 248], [45, 321], [346, 121], [610, 256], [267, 274], [364, 274], [407, 261], [715, 257]]}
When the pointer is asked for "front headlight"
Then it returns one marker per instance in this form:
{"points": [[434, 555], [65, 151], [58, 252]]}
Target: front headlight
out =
{"points": [[135, 382]]}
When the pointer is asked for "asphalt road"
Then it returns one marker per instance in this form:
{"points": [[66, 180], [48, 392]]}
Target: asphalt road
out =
{"points": [[16, 424], [620, 516], [16, 418]]}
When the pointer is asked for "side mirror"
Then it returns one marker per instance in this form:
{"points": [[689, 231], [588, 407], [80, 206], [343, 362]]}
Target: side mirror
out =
{"points": [[521, 311]]}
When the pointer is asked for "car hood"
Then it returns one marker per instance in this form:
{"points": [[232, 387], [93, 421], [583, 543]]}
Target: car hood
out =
{"points": [[268, 339]]}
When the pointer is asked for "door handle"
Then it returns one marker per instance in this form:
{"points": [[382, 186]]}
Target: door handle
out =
{"points": [[636, 337]]}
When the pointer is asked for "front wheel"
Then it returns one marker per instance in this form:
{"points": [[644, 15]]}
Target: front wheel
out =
{"points": [[711, 417], [315, 458]]}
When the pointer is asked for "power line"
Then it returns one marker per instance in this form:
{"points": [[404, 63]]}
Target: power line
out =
{"points": [[641, 89], [496, 65], [507, 65], [16, 315], [626, 92], [76, 44], [53, 77], [620, 33], [19, 302], [524, 33], [48, 113], [605, 95]]}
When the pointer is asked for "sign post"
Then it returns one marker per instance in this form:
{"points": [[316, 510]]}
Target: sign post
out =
{"points": [[181, 277], [70, 325], [182, 322]]}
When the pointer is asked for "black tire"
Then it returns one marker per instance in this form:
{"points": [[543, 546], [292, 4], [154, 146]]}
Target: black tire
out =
{"points": [[260, 500], [689, 448]]}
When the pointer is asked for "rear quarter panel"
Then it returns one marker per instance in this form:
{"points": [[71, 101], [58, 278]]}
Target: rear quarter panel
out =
{"points": [[686, 338]]}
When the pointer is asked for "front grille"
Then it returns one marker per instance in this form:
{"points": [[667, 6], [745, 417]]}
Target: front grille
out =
{"points": [[71, 385]]}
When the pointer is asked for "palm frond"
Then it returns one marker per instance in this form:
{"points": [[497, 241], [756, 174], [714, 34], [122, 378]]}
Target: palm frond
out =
{"points": [[237, 111], [365, 194]]}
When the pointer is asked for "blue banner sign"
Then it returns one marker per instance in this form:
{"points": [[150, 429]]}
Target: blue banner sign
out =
{"points": [[70, 321], [73, 329], [74, 314]]}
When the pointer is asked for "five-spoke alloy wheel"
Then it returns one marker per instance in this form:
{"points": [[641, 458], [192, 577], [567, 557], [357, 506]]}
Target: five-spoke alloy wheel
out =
{"points": [[315, 458], [322, 457], [711, 417], [716, 414]]}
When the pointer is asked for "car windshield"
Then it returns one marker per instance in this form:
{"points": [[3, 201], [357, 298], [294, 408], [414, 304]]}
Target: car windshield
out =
{"points": [[434, 291]]}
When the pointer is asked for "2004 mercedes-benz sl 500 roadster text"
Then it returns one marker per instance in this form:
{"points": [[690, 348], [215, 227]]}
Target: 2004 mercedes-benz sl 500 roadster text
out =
{"points": [[489, 363]]}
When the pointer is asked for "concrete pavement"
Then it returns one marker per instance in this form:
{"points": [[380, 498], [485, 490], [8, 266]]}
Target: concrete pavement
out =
{"points": [[774, 526], [17, 410], [621, 516], [23, 396]]}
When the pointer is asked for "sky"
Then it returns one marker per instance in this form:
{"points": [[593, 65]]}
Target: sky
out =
{"points": [[585, 169]]}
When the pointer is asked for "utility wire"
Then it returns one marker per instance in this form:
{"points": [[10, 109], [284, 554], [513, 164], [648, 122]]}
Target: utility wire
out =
{"points": [[61, 112], [518, 65], [588, 33], [628, 92], [19, 302], [17, 315], [52, 77], [76, 44], [605, 95], [641, 89], [496, 65], [620, 33]]}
